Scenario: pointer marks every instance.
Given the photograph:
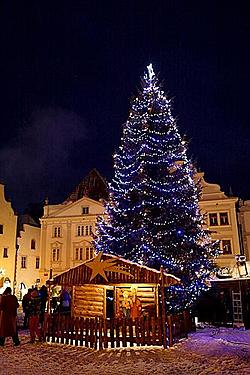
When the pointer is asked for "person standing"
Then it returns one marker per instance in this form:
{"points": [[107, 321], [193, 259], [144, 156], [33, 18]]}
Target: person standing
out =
{"points": [[8, 324], [25, 304], [34, 315], [65, 302]]}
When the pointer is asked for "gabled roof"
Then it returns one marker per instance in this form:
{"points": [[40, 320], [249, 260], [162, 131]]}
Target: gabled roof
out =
{"points": [[64, 208], [121, 271], [209, 191], [93, 186]]}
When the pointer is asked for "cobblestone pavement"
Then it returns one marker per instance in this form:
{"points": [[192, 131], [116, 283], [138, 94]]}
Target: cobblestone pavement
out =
{"points": [[202, 353]]}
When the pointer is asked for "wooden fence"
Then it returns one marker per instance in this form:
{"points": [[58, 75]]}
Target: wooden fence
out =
{"points": [[99, 333]]}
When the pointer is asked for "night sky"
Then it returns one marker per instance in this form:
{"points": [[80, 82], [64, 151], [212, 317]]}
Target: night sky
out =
{"points": [[69, 68]]}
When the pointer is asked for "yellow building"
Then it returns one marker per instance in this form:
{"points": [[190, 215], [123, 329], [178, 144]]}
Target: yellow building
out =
{"points": [[28, 258], [244, 219], [8, 228], [67, 235], [221, 219]]}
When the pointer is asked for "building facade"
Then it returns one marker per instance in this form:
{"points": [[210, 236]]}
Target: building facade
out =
{"points": [[244, 219], [67, 235], [220, 215], [8, 230], [28, 259]]}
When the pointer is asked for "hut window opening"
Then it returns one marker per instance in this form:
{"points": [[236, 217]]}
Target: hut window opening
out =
{"points": [[110, 310]]}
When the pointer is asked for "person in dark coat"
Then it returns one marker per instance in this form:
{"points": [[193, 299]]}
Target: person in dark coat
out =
{"points": [[25, 304], [34, 315], [65, 302], [43, 294], [8, 326]]}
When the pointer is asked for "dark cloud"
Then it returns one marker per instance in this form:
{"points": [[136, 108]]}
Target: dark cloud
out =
{"points": [[40, 159]]}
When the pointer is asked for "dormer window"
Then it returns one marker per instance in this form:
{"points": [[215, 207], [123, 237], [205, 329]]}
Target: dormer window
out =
{"points": [[85, 210]]}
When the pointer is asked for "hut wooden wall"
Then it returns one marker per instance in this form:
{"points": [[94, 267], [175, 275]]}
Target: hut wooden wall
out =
{"points": [[88, 301]]}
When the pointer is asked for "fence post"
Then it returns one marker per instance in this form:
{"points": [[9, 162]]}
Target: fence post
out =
{"points": [[186, 322], [163, 309], [170, 330]]}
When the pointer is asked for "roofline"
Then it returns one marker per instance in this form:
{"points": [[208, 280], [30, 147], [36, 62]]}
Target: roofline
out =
{"points": [[123, 259], [66, 206]]}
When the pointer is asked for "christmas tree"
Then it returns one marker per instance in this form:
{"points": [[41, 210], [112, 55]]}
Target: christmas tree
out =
{"points": [[153, 215]]}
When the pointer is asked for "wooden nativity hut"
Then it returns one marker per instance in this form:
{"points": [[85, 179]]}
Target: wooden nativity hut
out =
{"points": [[112, 287]]}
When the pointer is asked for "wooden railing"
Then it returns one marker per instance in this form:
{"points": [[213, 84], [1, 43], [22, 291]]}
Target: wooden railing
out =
{"points": [[99, 333]]}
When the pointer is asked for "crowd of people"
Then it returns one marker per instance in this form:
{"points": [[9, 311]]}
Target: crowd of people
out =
{"points": [[34, 308], [34, 305]]}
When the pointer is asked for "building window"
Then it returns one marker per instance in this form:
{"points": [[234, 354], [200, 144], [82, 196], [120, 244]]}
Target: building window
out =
{"points": [[226, 247], [84, 230], [224, 218], [23, 262], [37, 262], [1, 228], [79, 253], [33, 244], [89, 253], [57, 232], [80, 230], [213, 220], [55, 254], [5, 252], [85, 210]]}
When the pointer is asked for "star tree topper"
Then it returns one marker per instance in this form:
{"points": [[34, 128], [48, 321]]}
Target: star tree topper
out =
{"points": [[99, 266]]}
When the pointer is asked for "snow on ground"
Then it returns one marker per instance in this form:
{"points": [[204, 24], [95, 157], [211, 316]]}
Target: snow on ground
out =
{"points": [[208, 351]]}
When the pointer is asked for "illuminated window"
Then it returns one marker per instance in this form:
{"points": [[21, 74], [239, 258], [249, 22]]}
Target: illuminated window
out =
{"points": [[84, 230], [37, 262], [5, 252], [57, 231], [213, 220], [226, 247], [23, 262], [33, 244], [80, 230], [55, 254], [1, 228], [224, 218], [85, 210], [79, 253], [89, 253]]}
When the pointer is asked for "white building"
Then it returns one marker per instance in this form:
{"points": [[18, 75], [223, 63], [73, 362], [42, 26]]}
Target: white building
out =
{"points": [[28, 259], [67, 235]]}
